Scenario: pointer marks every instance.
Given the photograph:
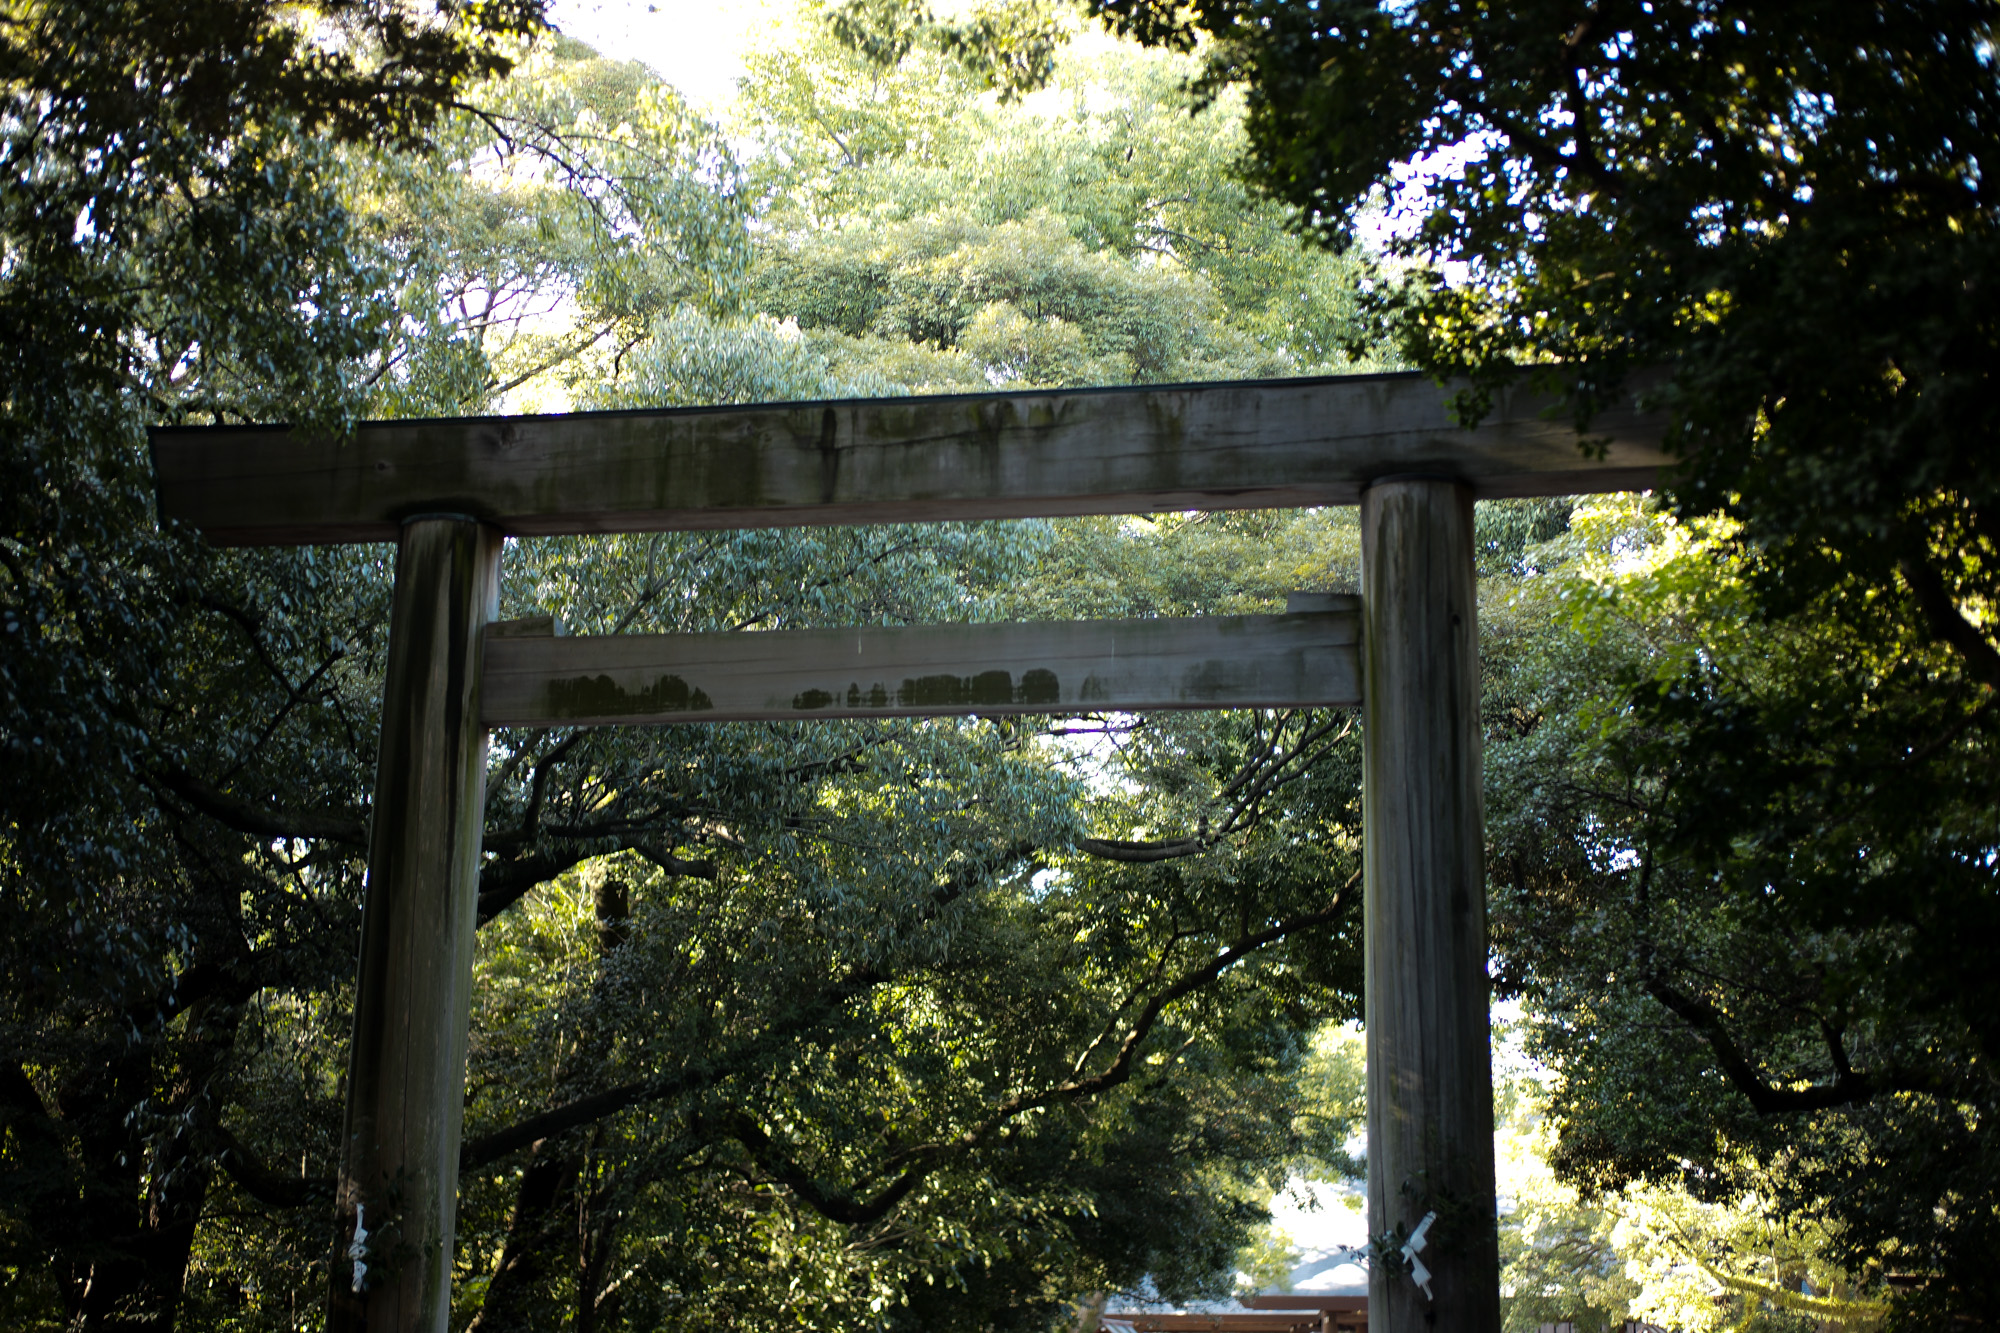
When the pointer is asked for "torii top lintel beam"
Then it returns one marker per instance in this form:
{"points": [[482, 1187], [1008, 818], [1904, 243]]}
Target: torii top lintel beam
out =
{"points": [[1233, 445]]}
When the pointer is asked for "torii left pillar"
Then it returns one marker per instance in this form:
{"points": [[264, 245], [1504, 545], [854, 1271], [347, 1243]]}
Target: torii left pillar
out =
{"points": [[398, 1193]]}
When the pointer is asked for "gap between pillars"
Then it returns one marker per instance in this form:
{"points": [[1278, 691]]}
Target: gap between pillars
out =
{"points": [[398, 1192], [1430, 1087]]}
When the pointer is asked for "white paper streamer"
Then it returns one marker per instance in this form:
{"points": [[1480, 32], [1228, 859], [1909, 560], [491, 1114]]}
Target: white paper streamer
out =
{"points": [[1418, 1273], [358, 1250]]}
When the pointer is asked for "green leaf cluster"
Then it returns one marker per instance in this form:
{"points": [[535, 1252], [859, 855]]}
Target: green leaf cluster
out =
{"points": [[1092, 233], [859, 1025], [1778, 220], [1746, 910], [176, 243]]}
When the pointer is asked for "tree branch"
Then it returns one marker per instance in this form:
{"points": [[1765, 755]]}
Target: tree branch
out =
{"points": [[567, 354], [1262, 774], [1548, 155], [598, 1105], [263, 1184], [1948, 622], [502, 883], [1850, 1087], [1577, 95], [918, 1162], [1140, 853], [259, 820]]}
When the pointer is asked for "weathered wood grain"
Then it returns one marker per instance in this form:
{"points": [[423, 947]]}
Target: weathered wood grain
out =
{"points": [[1240, 1321], [1238, 445], [406, 1064], [1430, 1091], [932, 670]]}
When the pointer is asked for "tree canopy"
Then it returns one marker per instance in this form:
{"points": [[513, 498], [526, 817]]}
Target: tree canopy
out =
{"points": [[1756, 924], [1761, 871], [932, 1024], [176, 242], [946, 1024]]}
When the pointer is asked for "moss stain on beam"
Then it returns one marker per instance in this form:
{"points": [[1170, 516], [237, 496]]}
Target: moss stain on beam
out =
{"points": [[988, 688], [1227, 661], [600, 696], [1166, 414]]}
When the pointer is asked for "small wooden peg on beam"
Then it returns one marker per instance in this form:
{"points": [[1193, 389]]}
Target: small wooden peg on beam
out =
{"points": [[527, 627]]}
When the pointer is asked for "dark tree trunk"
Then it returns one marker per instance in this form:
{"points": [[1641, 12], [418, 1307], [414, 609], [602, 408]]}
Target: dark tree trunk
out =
{"points": [[122, 1239], [541, 1219], [598, 1243], [138, 1283], [130, 1241]]}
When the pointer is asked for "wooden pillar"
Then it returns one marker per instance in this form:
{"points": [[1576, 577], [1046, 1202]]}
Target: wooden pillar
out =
{"points": [[1430, 1090], [398, 1193]]}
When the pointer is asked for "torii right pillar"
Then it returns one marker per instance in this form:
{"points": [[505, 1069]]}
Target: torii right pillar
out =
{"points": [[1430, 1088]]}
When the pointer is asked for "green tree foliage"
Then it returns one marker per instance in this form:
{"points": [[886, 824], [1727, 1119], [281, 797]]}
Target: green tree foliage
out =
{"points": [[1721, 1014], [1652, 1252], [1715, 1266], [929, 1025], [1559, 1261], [1789, 208], [535, 244], [173, 243], [1093, 233]]}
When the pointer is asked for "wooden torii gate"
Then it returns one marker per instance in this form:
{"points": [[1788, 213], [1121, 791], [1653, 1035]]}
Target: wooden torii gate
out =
{"points": [[448, 492]]}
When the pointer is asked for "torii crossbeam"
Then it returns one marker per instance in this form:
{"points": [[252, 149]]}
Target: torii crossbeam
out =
{"points": [[1407, 651]]}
